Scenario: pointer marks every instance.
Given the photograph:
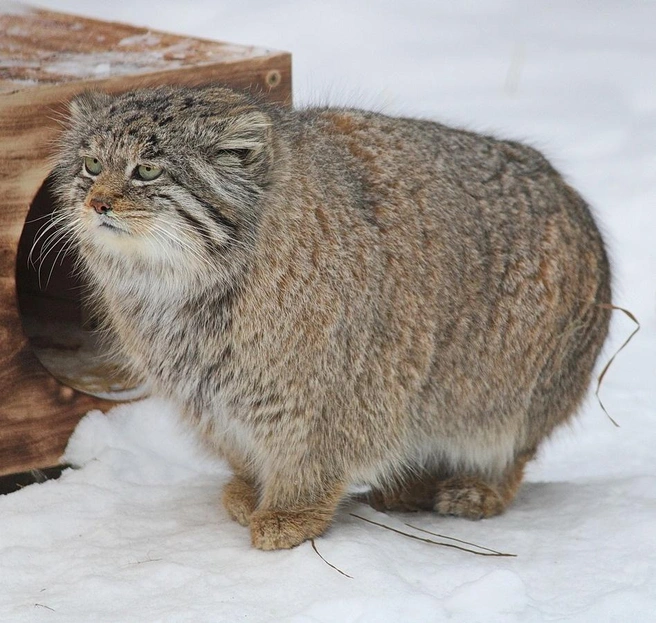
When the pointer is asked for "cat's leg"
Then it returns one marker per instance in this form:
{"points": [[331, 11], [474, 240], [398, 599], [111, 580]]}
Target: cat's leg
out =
{"points": [[474, 497], [413, 493], [463, 495], [293, 509], [240, 495], [239, 499]]}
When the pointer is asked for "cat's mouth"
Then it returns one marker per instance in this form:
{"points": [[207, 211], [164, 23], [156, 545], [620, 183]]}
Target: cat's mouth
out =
{"points": [[107, 224]]}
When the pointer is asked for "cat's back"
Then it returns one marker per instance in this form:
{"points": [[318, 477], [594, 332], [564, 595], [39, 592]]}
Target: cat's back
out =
{"points": [[472, 199], [398, 166]]}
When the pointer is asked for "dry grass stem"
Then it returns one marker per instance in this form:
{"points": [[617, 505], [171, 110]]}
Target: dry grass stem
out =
{"points": [[452, 538], [432, 542], [44, 606], [600, 378], [314, 547]]}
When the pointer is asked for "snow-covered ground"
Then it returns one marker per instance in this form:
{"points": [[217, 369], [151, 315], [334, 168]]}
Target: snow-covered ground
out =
{"points": [[138, 534]]}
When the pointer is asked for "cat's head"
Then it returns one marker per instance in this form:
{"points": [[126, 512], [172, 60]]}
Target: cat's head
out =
{"points": [[164, 177]]}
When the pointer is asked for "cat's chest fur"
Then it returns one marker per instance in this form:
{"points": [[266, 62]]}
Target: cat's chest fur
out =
{"points": [[194, 348], [176, 339]]}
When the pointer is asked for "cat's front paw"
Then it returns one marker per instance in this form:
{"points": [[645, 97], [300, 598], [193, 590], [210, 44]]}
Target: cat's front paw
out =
{"points": [[240, 500], [282, 529]]}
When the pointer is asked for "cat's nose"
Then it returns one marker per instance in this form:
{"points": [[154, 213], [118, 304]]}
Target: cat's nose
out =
{"points": [[101, 205]]}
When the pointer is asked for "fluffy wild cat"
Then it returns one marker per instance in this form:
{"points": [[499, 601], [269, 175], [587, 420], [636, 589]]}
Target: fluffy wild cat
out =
{"points": [[337, 298]]}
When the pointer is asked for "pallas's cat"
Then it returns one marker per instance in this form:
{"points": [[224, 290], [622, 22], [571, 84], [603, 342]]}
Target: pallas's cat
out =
{"points": [[336, 298]]}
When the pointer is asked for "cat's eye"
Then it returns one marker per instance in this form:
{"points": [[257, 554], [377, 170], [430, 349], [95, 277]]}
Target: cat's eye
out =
{"points": [[147, 172], [92, 165]]}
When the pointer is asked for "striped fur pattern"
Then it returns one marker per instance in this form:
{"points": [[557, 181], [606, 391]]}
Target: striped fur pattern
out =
{"points": [[337, 298]]}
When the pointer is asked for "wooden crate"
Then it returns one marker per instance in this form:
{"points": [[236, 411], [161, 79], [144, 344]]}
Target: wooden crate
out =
{"points": [[45, 59]]}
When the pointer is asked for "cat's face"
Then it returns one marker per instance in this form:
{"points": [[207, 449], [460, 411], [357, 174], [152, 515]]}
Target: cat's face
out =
{"points": [[164, 176]]}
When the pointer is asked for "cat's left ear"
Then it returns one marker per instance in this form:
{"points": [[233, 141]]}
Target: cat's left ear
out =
{"points": [[250, 135], [87, 103]]}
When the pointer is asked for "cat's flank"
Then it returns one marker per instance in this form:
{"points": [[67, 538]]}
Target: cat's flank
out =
{"points": [[336, 297]]}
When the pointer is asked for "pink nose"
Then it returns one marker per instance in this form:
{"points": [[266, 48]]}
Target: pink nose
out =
{"points": [[100, 205]]}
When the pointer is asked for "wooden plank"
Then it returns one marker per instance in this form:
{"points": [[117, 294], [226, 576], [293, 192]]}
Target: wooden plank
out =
{"points": [[40, 47], [45, 59]]}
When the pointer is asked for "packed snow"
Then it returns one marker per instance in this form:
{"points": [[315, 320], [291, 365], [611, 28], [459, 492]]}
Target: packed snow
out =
{"points": [[137, 533]]}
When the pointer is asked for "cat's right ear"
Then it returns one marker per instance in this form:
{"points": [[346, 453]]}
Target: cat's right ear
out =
{"points": [[87, 103]]}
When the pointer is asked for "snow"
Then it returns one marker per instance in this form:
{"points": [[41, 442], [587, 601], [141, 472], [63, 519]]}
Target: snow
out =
{"points": [[138, 534], [7, 7]]}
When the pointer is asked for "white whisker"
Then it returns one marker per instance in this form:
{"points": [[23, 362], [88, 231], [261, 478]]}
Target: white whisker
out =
{"points": [[63, 249], [50, 242], [45, 229], [39, 218]]}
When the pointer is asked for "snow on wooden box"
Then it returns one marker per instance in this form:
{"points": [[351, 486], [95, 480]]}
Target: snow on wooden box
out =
{"points": [[51, 368]]}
